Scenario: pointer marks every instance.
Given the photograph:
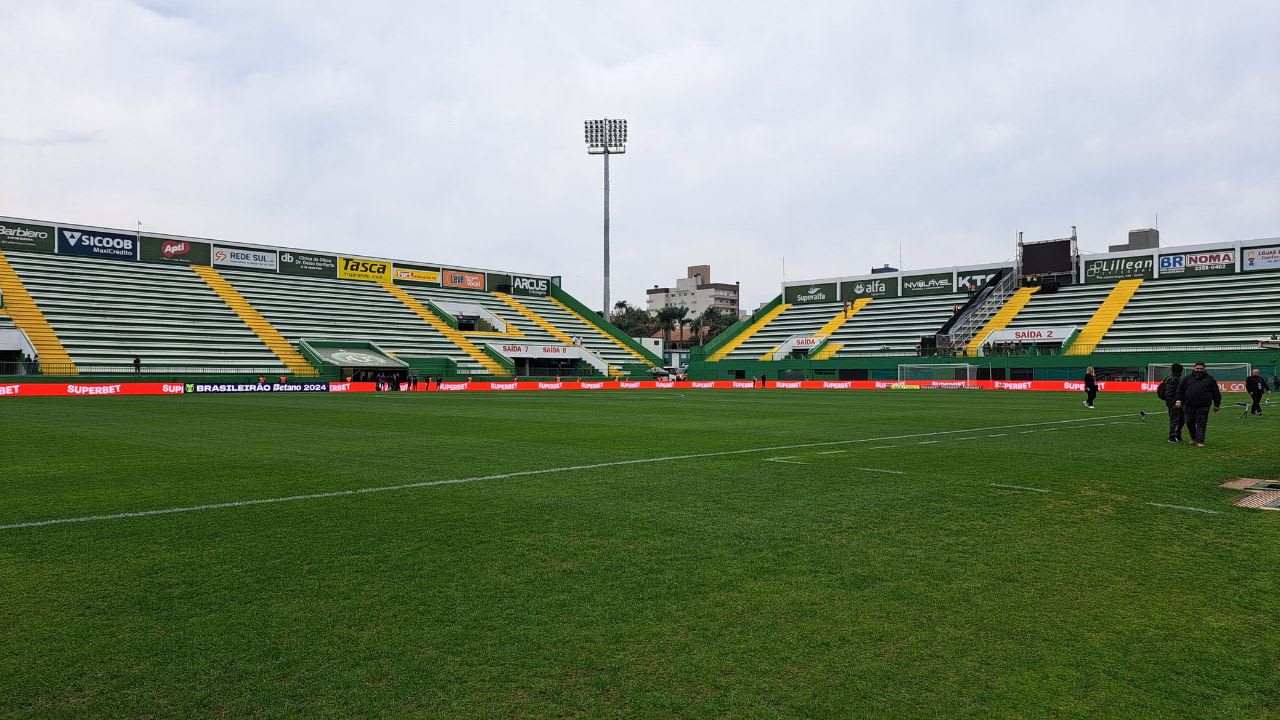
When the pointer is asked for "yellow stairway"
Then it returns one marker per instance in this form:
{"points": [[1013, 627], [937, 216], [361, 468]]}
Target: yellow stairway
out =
{"points": [[746, 334], [265, 331], [842, 317], [24, 312], [535, 318], [1088, 338], [630, 350], [1001, 319], [828, 351], [471, 349]]}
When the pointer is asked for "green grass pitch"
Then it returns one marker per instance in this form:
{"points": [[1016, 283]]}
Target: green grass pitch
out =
{"points": [[713, 554]]}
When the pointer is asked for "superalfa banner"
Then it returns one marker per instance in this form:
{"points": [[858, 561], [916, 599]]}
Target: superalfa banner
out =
{"points": [[1216, 262], [461, 279], [521, 285], [183, 252], [1261, 258], [27, 238], [416, 274], [933, 284], [873, 288], [1116, 269], [97, 243], [810, 294], [308, 264], [247, 258], [362, 269], [284, 387]]}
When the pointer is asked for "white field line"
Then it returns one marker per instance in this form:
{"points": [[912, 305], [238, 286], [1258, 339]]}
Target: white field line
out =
{"points": [[786, 459], [1186, 507], [882, 470], [928, 442], [502, 476], [998, 435], [1019, 487], [975, 437], [832, 452], [884, 447]]}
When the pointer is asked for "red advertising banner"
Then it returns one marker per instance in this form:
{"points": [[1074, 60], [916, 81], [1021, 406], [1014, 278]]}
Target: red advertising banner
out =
{"points": [[86, 389]]}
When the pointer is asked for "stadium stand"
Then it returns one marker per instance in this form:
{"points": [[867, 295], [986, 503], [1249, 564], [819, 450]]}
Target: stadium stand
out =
{"points": [[895, 323]]}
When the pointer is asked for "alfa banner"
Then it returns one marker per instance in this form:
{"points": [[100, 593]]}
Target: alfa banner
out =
{"points": [[101, 389]]}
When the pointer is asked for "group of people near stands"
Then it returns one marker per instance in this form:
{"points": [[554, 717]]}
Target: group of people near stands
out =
{"points": [[1188, 398]]}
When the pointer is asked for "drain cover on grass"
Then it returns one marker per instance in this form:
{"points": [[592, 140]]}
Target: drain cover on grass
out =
{"points": [[1265, 485], [1259, 494]]}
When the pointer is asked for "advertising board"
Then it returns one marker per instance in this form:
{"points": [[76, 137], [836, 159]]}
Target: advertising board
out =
{"points": [[1261, 258], [26, 238], [1215, 262], [182, 252], [810, 294], [522, 285], [931, 284], [462, 279], [874, 288], [1117, 269], [362, 269], [971, 281], [98, 244], [244, 258], [285, 387], [416, 274], [308, 264]]}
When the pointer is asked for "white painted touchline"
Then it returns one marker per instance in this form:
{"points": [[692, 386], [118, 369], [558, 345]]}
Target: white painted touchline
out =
{"points": [[1186, 507], [503, 476], [1019, 487]]}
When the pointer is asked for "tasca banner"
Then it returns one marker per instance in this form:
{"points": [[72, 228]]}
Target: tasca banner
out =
{"points": [[246, 258], [284, 387], [308, 264], [1117, 269], [97, 243], [932, 284], [523, 285], [182, 252], [416, 274], [362, 269], [462, 279], [26, 238], [87, 389], [1217, 262], [810, 294], [1261, 258], [873, 288]]}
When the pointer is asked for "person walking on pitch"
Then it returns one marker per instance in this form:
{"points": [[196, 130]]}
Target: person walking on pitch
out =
{"points": [[1195, 393], [1256, 385], [1090, 387], [1168, 392]]}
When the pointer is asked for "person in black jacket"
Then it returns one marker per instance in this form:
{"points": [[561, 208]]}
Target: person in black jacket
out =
{"points": [[1195, 393], [1255, 385], [1090, 387], [1168, 392]]}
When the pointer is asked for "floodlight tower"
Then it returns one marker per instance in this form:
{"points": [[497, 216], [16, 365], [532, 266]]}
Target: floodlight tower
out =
{"points": [[606, 137]]}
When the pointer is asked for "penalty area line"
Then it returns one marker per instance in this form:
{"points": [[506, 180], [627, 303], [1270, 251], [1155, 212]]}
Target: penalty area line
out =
{"points": [[206, 507]]}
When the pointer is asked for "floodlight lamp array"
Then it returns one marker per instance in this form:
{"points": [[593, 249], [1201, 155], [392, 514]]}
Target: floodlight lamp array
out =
{"points": [[606, 136]]}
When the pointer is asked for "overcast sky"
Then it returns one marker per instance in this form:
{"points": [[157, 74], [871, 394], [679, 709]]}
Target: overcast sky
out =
{"points": [[831, 134]]}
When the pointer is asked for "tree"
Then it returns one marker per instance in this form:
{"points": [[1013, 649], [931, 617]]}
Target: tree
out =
{"points": [[667, 318], [715, 322], [632, 320]]}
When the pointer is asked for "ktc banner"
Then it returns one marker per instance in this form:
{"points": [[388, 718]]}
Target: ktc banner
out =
{"points": [[1116, 269], [307, 264], [1218, 262], [97, 243], [416, 274], [27, 238], [284, 387], [460, 279], [1261, 258], [247, 258], [359, 269], [183, 252], [87, 389], [874, 288], [971, 281], [810, 294]]}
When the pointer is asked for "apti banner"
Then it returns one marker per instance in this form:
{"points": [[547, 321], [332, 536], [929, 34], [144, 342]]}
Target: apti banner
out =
{"points": [[1261, 258], [873, 288], [97, 243], [1217, 262], [182, 252], [26, 238], [810, 294], [246, 258], [361, 269], [307, 264]]}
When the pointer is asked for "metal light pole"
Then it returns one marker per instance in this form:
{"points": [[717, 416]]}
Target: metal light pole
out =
{"points": [[606, 137]]}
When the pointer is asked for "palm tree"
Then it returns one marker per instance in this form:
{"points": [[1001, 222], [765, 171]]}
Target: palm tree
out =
{"points": [[667, 318], [682, 319]]}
